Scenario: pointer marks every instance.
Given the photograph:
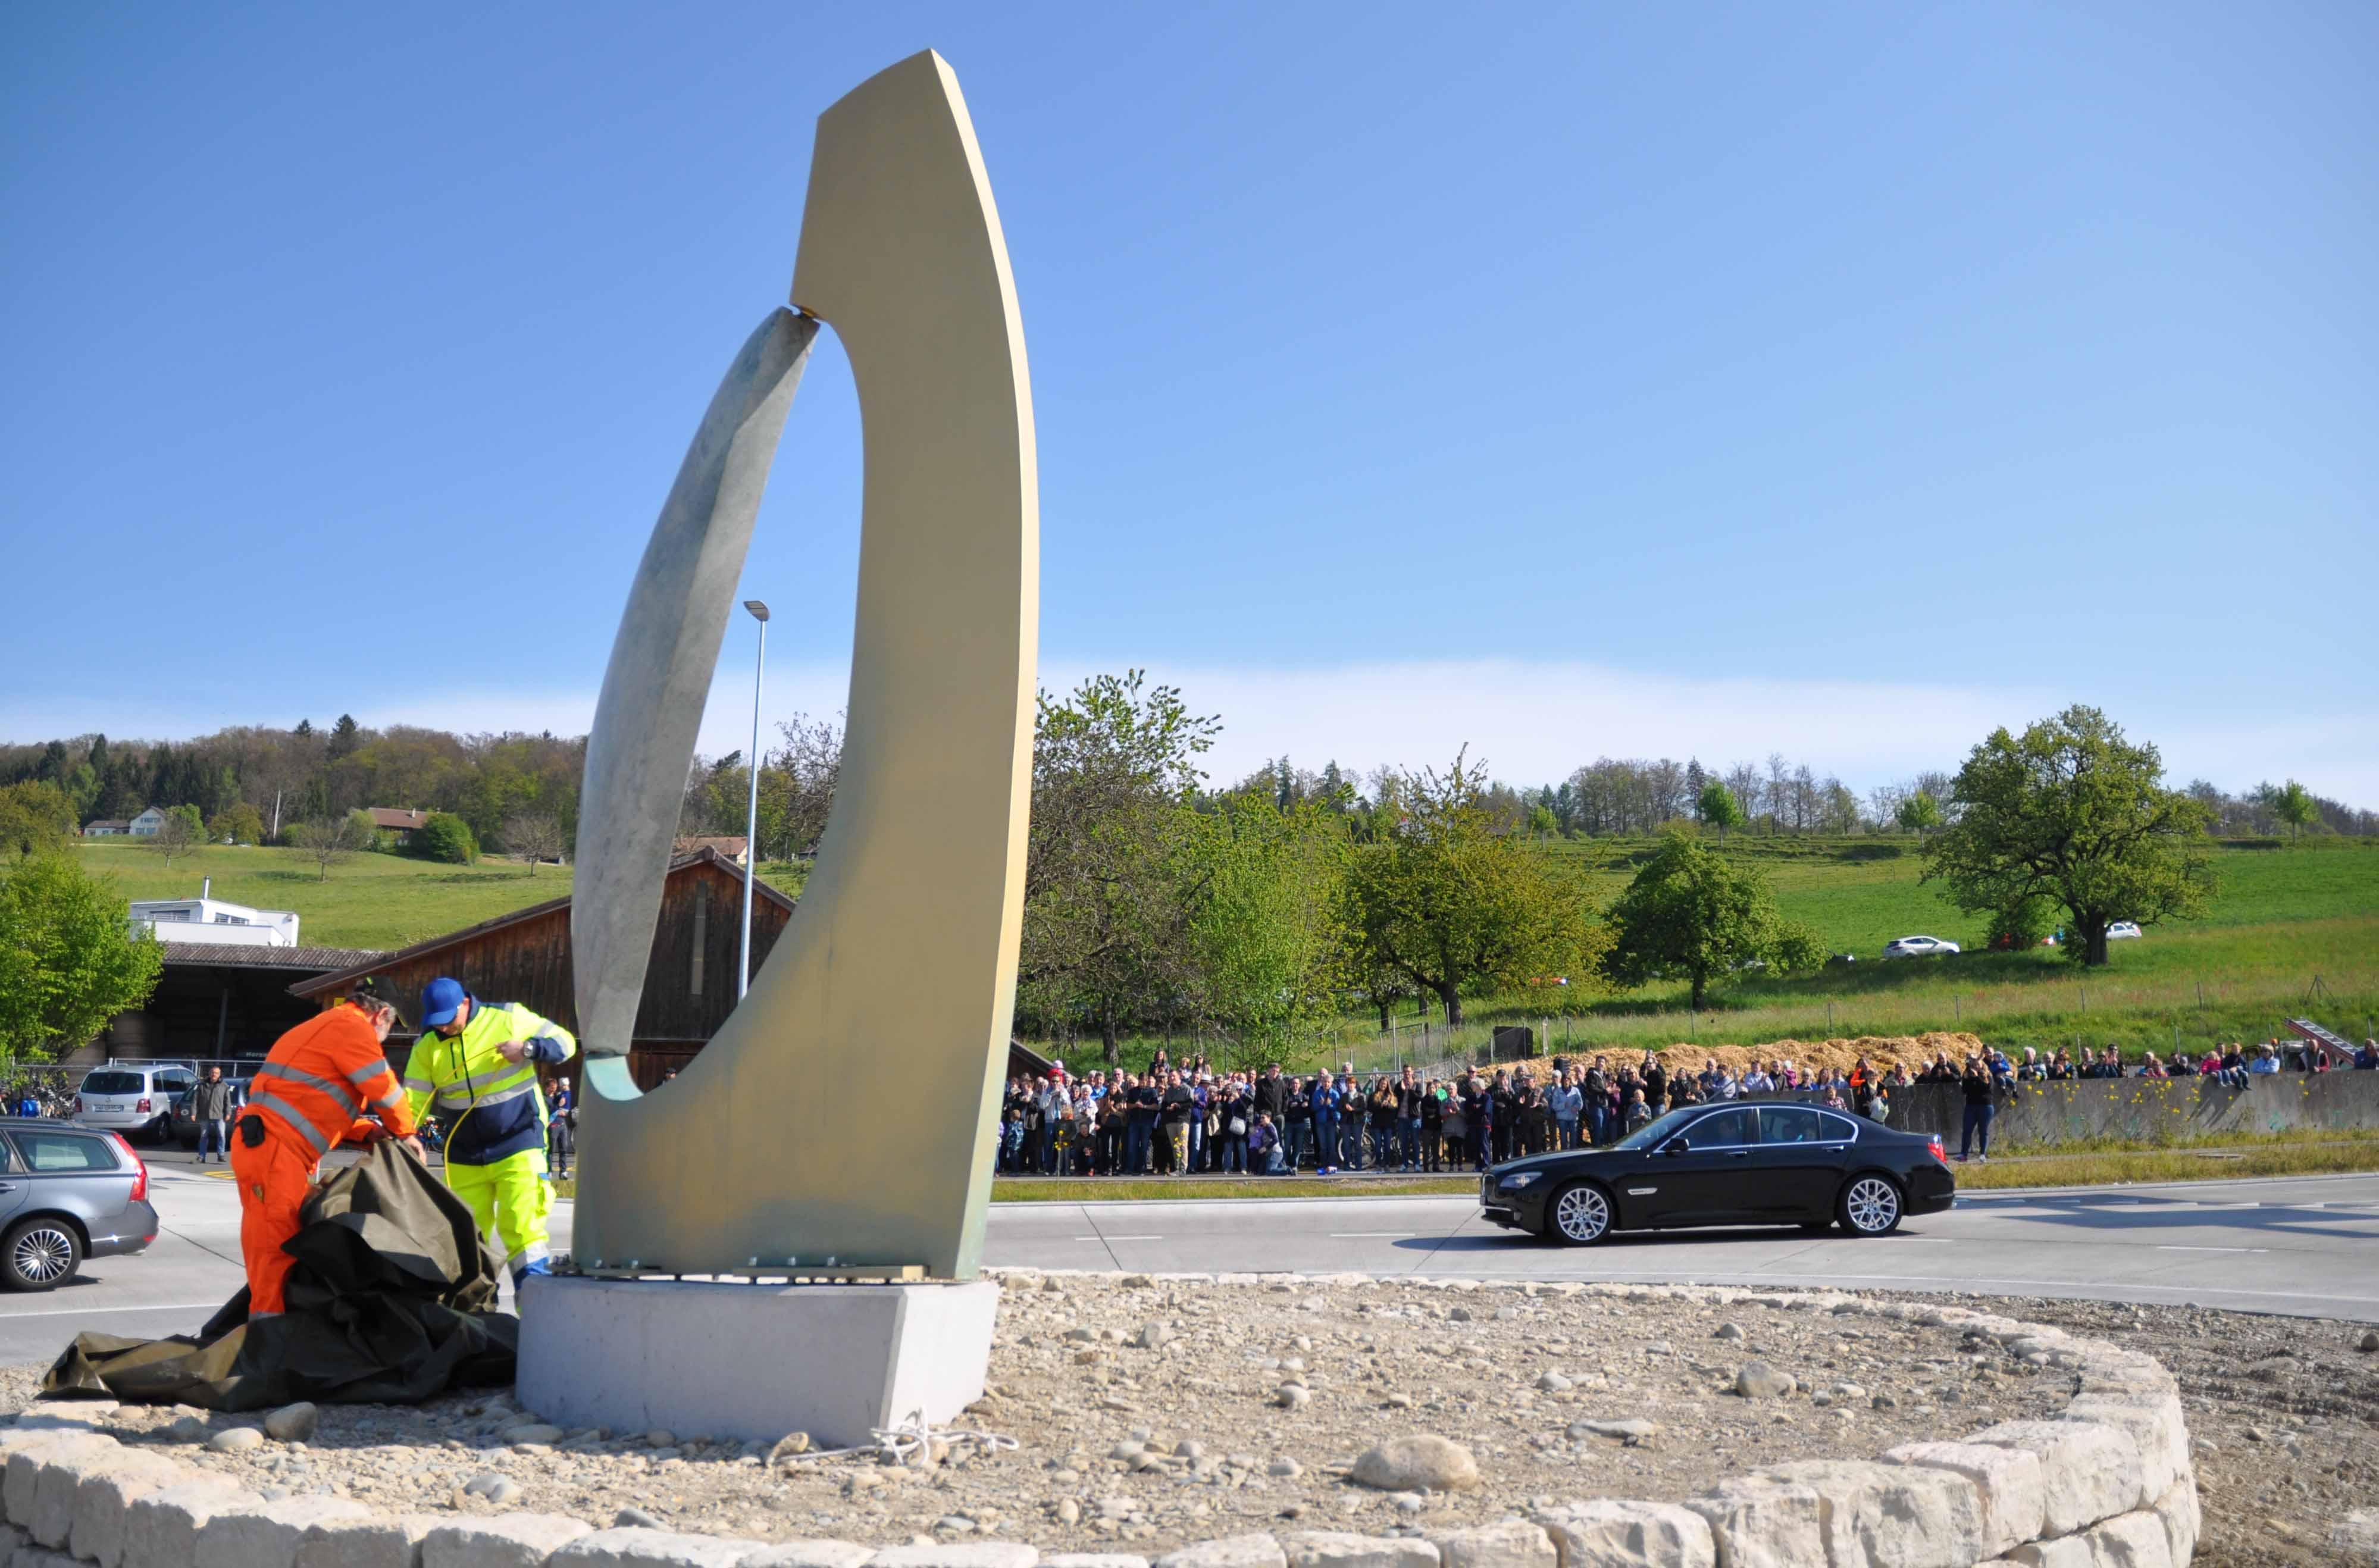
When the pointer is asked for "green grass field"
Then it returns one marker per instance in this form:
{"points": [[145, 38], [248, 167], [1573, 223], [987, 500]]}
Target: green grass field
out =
{"points": [[371, 900]]}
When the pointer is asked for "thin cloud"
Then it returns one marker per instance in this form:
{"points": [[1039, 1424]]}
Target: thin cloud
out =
{"points": [[1532, 722]]}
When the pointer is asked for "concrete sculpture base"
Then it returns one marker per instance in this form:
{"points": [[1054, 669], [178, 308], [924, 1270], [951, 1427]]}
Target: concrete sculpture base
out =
{"points": [[752, 1362]]}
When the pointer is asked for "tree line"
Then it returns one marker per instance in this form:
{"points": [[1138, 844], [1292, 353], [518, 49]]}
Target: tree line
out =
{"points": [[257, 783]]}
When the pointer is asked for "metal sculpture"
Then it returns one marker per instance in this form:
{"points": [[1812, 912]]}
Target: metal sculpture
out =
{"points": [[842, 1118]]}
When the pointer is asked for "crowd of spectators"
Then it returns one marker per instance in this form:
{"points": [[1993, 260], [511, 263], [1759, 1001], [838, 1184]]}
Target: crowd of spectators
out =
{"points": [[1192, 1119]]}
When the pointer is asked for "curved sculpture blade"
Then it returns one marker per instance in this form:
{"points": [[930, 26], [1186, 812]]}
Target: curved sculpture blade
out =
{"points": [[845, 1111], [661, 664]]}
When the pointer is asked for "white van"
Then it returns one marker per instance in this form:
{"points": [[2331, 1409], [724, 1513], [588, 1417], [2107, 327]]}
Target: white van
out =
{"points": [[131, 1098]]}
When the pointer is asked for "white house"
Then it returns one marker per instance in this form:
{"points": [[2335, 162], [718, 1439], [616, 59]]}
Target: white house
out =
{"points": [[106, 828], [210, 920], [145, 826]]}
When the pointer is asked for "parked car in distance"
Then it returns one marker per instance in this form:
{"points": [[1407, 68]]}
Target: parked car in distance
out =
{"points": [[68, 1193], [183, 1128], [133, 1099], [2122, 929], [1918, 947], [1775, 1163]]}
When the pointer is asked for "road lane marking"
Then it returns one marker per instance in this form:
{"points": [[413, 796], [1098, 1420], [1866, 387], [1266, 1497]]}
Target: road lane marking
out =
{"points": [[1382, 1234], [7, 1317], [1119, 1238], [2166, 1249]]}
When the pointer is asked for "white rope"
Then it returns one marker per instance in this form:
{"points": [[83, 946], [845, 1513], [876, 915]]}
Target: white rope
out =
{"points": [[895, 1444]]}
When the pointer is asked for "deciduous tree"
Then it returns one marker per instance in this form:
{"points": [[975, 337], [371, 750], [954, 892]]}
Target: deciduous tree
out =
{"points": [[1440, 897], [180, 833], [2294, 804], [535, 836], [2073, 812], [328, 840], [1717, 806], [1692, 914], [1264, 927], [240, 823], [36, 817], [1109, 872], [68, 962]]}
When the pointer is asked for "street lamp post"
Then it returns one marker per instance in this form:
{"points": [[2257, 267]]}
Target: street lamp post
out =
{"points": [[752, 811]]}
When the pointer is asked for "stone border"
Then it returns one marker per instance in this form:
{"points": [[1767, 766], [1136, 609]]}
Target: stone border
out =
{"points": [[2108, 1484]]}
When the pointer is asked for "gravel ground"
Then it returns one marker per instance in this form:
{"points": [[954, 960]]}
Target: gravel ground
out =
{"points": [[1148, 1413]]}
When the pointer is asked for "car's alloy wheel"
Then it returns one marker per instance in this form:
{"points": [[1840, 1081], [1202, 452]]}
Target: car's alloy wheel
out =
{"points": [[1581, 1214], [41, 1254], [1871, 1206]]}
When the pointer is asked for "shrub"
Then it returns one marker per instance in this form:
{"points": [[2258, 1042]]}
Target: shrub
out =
{"points": [[446, 837]]}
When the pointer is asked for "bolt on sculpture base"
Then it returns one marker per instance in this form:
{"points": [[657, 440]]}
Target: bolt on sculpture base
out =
{"points": [[752, 1362]]}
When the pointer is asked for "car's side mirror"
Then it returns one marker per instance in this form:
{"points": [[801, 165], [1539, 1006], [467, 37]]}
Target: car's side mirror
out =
{"points": [[1677, 1145]]}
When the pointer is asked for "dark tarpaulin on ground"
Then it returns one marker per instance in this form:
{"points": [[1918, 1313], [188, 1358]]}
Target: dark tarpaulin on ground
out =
{"points": [[392, 1300]]}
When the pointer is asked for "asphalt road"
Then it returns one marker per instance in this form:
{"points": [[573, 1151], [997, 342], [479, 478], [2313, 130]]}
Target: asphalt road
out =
{"points": [[2302, 1246]]}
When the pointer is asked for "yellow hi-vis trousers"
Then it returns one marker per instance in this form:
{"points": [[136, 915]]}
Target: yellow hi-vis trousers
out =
{"points": [[510, 1202]]}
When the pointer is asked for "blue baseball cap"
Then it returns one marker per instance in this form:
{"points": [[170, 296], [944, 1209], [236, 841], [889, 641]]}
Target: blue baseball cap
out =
{"points": [[440, 999]]}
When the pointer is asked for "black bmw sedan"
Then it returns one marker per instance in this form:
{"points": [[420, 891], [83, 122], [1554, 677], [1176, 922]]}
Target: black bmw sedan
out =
{"points": [[1769, 1163]]}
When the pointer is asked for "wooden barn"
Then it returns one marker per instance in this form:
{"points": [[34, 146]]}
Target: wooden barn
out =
{"points": [[525, 957]]}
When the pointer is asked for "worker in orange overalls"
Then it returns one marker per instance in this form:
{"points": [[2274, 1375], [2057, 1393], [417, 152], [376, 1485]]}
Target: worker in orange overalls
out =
{"points": [[309, 1096]]}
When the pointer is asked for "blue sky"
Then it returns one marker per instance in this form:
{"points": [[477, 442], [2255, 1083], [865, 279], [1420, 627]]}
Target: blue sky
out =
{"points": [[1560, 381]]}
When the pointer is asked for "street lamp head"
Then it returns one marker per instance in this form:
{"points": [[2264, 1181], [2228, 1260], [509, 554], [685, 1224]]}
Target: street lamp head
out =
{"points": [[759, 610]]}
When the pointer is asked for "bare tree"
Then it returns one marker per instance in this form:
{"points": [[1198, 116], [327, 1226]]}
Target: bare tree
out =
{"points": [[180, 833], [331, 839], [535, 836], [802, 774]]}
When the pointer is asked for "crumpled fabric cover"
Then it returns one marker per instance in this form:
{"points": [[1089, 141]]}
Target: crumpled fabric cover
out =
{"points": [[391, 1301]]}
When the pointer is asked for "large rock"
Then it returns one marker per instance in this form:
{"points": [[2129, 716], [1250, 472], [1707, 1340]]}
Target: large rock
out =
{"points": [[103, 1501], [2155, 1425], [2178, 1509], [2007, 1480], [26, 1461], [59, 1482], [293, 1423], [2131, 1540], [500, 1540], [378, 1542], [1760, 1380], [162, 1529], [1762, 1522], [1905, 1515], [1608, 1533], [1422, 1463], [639, 1548], [267, 1535], [2089, 1471], [816, 1554], [1332, 1548], [956, 1554], [1231, 1551], [1512, 1543]]}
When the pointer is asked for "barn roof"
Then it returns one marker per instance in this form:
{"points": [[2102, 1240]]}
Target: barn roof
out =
{"points": [[258, 955], [324, 984]]}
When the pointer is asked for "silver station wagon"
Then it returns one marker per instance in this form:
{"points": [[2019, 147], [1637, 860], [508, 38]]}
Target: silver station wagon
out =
{"points": [[66, 1193]]}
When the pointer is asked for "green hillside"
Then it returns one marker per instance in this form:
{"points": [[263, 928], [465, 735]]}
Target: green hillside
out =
{"points": [[370, 901]]}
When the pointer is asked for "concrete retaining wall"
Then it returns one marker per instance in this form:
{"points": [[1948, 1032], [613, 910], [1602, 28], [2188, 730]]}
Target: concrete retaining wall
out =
{"points": [[2150, 1109], [2107, 1482]]}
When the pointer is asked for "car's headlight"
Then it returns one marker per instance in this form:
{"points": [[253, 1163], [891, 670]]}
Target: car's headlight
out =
{"points": [[1513, 1183]]}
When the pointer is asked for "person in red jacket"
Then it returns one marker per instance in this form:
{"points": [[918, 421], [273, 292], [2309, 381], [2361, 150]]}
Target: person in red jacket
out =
{"points": [[324, 1083]]}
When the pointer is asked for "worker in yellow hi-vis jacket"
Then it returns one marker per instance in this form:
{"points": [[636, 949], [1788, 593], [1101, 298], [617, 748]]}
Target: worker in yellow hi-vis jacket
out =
{"points": [[475, 1070]]}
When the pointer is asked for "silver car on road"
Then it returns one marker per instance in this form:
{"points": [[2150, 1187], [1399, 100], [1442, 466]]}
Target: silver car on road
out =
{"points": [[66, 1193]]}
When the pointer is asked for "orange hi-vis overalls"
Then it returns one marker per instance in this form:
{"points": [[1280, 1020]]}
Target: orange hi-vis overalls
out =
{"points": [[309, 1096]]}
